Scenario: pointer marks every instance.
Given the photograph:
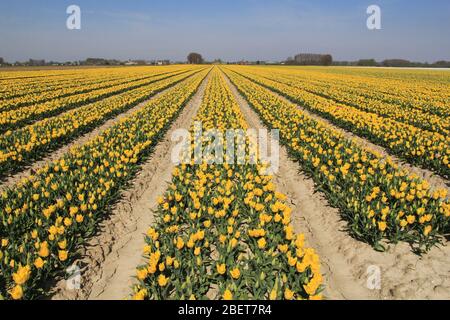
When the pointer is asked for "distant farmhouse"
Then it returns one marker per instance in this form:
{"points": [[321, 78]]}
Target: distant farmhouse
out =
{"points": [[162, 62], [145, 62]]}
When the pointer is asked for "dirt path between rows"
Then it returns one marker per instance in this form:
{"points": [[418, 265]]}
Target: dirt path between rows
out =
{"points": [[110, 259], [11, 180], [349, 265]]}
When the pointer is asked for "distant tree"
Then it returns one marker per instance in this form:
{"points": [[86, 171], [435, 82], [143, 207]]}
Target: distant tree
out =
{"points": [[2, 61], [94, 61], [341, 63], [442, 64], [35, 62], [396, 63], [367, 62], [290, 60], [326, 60], [195, 58]]}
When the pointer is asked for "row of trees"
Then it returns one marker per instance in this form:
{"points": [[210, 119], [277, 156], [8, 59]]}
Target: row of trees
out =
{"points": [[87, 62], [307, 59], [400, 63], [301, 59], [193, 58]]}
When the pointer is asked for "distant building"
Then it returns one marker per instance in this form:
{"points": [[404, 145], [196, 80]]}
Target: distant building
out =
{"points": [[159, 62], [163, 62]]}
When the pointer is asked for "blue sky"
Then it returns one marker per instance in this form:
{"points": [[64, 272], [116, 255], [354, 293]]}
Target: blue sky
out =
{"points": [[231, 30]]}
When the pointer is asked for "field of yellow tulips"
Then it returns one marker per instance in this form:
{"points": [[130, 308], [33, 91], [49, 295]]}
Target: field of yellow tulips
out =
{"points": [[18, 117], [47, 216], [75, 86], [412, 89], [83, 149], [23, 145], [429, 149], [15, 84], [378, 200], [222, 231], [365, 100]]}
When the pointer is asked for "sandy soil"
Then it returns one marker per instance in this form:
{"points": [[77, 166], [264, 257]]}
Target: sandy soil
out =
{"points": [[110, 259], [345, 261]]}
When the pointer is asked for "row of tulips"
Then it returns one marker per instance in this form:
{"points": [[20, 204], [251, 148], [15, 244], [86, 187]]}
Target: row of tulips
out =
{"points": [[14, 88], [25, 145], [348, 95], [424, 90], [83, 85], [430, 150], [46, 216], [18, 83], [222, 231], [27, 82], [16, 118], [379, 200]]}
